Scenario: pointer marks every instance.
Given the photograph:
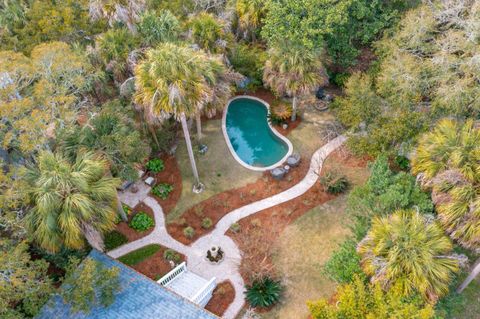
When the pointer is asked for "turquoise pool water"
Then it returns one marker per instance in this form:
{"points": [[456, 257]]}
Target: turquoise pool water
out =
{"points": [[250, 135]]}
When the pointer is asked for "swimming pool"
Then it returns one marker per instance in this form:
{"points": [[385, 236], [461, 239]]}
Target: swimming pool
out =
{"points": [[250, 138]]}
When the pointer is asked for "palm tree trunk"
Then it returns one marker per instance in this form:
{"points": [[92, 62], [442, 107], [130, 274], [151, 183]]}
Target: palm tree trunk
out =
{"points": [[197, 185], [154, 134], [198, 118], [473, 274], [93, 236], [120, 210], [294, 108]]}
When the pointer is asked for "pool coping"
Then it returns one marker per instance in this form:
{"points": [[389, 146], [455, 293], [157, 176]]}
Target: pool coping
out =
{"points": [[229, 144]]}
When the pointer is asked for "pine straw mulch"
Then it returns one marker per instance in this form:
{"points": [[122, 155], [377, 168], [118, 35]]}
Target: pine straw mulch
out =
{"points": [[155, 266], [222, 297], [131, 233], [170, 175]]}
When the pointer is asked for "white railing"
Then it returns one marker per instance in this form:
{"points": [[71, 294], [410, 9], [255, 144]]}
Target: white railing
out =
{"points": [[172, 274], [204, 295]]}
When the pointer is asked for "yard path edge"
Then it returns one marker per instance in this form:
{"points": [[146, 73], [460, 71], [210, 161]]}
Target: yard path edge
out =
{"points": [[229, 268]]}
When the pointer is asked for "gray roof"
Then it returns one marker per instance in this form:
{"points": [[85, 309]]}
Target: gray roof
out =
{"points": [[140, 297]]}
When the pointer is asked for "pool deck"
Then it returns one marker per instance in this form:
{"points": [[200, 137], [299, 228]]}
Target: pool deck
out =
{"points": [[280, 136]]}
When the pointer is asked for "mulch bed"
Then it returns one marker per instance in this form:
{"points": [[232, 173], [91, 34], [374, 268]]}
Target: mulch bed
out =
{"points": [[223, 296], [131, 233], [284, 214], [155, 267], [171, 175], [219, 205]]}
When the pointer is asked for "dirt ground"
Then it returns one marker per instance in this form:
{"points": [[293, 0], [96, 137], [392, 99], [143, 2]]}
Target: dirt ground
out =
{"points": [[223, 296]]}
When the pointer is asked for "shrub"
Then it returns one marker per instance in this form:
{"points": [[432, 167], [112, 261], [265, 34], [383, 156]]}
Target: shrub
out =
{"points": [[264, 292], [249, 61], [402, 162], [158, 27], [155, 165], [126, 209], [344, 263], [235, 227], [142, 222], [61, 259], [114, 239], [139, 255], [274, 119], [162, 190], [189, 232], [333, 183], [207, 223], [172, 255], [340, 79], [281, 111]]}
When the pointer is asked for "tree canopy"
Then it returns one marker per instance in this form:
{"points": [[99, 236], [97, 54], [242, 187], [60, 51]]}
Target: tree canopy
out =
{"points": [[428, 70], [411, 251]]}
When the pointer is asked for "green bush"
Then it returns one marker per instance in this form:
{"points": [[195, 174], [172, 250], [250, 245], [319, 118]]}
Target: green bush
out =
{"points": [[207, 223], [142, 222], [189, 232], [333, 183], [263, 293], [139, 255], [249, 61], [162, 190], [114, 239], [344, 263], [275, 120], [402, 162], [235, 227], [61, 259], [155, 165], [172, 255], [126, 209], [339, 79]]}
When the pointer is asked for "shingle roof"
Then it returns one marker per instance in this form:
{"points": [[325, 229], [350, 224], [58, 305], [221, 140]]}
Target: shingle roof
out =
{"points": [[140, 297]]}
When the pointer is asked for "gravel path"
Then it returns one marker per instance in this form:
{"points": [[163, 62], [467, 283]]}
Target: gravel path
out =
{"points": [[228, 269]]}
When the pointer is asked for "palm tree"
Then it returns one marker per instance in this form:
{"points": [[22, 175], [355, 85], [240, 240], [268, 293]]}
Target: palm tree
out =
{"points": [[176, 81], [407, 249], [449, 146], [70, 201], [124, 11], [448, 160], [208, 33], [250, 14], [222, 92], [293, 70]]}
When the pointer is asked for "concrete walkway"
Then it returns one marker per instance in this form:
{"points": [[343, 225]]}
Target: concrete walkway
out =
{"points": [[228, 269]]}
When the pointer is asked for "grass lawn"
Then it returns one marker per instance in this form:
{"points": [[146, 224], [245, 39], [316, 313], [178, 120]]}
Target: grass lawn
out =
{"points": [[302, 250], [306, 244], [306, 137], [218, 169], [466, 305], [139, 255]]}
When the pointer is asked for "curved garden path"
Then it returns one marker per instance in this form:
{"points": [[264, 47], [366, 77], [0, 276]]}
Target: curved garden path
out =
{"points": [[228, 269]]}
